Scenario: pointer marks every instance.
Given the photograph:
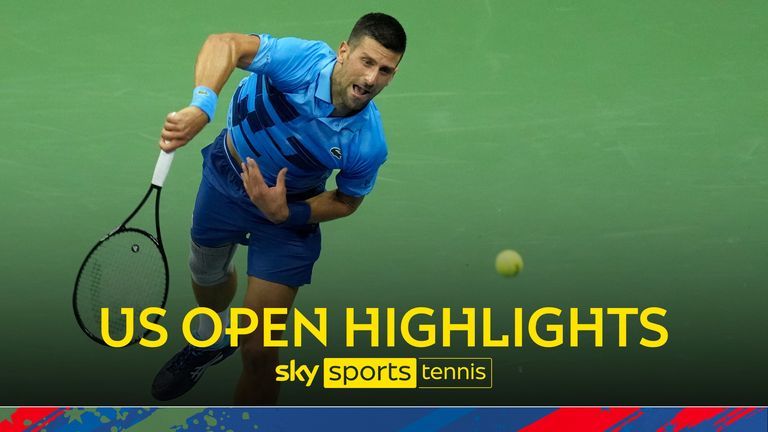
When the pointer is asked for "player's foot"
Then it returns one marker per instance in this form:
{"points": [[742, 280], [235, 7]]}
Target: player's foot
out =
{"points": [[185, 369]]}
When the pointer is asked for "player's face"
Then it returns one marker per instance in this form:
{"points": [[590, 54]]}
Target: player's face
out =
{"points": [[364, 69]]}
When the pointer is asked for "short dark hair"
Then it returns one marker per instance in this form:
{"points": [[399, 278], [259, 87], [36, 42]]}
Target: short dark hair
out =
{"points": [[383, 28]]}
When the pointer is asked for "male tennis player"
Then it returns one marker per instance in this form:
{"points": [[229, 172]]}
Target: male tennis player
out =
{"points": [[303, 112]]}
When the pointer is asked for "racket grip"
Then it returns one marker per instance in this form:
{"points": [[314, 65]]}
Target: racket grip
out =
{"points": [[162, 167]]}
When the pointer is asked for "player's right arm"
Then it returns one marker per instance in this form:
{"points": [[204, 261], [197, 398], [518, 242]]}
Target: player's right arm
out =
{"points": [[218, 57]]}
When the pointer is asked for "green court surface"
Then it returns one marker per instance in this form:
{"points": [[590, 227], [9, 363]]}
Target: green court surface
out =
{"points": [[621, 147]]}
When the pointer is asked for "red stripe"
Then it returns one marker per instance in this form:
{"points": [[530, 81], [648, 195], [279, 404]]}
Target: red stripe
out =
{"points": [[45, 422], [688, 417], [628, 421], [581, 419], [729, 414], [22, 418], [737, 416]]}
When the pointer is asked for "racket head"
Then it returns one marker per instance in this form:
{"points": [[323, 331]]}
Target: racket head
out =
{"points": [[126, 269]]}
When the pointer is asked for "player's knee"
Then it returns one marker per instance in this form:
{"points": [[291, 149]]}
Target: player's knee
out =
{"points": [[256, 356], [210, 266]]}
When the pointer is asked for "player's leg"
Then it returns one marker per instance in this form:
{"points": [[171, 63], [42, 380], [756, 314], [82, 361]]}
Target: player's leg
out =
{"points": [[219, 296], [257, 384], [279, 261], [218, 224], [214, 283]]}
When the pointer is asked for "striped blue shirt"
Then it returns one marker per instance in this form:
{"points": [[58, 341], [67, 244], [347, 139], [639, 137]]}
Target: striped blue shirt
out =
{"points": [[280, 116]]}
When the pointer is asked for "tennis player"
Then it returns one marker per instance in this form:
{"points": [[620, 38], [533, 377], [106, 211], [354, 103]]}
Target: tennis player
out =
{"points": [[303, 112]]}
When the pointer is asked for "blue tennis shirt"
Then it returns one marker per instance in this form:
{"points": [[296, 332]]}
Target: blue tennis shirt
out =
{"points": [[280, 116]]}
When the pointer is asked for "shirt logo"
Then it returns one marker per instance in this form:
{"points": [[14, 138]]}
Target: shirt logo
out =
{"points": [[336, 152]]}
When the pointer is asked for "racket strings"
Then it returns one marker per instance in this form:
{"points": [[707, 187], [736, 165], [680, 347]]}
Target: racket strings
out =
{"points": [[126, 271]]}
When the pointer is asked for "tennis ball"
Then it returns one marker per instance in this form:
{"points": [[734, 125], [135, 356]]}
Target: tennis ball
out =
{"points": [[509, 263]]}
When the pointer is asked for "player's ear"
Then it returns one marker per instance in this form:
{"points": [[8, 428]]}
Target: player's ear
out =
{"points": [[343, 52]]}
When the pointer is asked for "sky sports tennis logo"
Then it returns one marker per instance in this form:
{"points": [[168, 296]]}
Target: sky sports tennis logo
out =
{"points": [[402, 373]]}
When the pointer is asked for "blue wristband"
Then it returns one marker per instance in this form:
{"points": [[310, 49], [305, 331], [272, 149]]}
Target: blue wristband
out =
{"points": [[205, 99], [298, 214]]}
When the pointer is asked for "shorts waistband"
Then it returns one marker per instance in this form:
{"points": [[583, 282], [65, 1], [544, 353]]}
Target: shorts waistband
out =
{"points": [[232, 154]]}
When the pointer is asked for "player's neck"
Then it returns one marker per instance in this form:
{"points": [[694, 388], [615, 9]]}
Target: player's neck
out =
{"points": [[337, 98]]}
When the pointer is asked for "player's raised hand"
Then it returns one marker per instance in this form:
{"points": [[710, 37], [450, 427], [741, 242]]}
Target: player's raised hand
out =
{"points": [[181, 126], [271, 201]]}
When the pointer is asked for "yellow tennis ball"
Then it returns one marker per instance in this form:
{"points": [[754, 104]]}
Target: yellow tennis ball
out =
{"points": [[509, 263]]}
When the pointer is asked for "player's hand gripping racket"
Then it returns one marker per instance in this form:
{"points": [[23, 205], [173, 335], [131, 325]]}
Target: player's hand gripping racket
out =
{"points": [[125, 269]]}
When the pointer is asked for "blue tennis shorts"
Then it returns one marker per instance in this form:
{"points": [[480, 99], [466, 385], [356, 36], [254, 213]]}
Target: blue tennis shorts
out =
{"points": [[225, 215]]}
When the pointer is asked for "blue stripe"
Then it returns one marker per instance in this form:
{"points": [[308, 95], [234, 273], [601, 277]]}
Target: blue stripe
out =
{"points": [[301, 158], [303, 154], [239, 108], [244, 133], [239, 112], [284, 109], [437, 419], [254, 122], [259, 119]]}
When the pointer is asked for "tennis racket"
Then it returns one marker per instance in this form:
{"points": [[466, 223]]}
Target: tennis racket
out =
{"points": [[126, 269]]}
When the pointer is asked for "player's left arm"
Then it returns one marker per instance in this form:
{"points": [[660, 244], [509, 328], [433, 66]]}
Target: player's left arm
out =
{"points": [[354, 181], [332, 205], [272, 202]]}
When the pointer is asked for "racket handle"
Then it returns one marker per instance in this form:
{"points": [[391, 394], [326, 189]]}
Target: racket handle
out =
{"points": [[161, 168]]}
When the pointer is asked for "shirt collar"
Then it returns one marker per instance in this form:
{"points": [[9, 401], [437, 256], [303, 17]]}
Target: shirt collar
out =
{"points": [[323, 90]]}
